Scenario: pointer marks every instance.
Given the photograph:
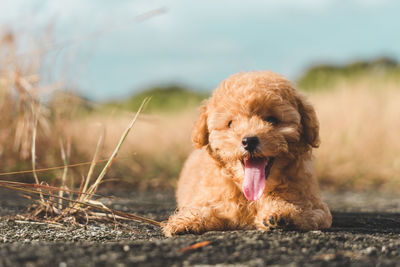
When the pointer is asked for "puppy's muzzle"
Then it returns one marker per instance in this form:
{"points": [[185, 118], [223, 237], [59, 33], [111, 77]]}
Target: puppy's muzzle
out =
{"points": [[250, 143]]}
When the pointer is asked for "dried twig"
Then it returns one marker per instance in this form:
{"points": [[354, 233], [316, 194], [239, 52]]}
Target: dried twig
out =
{"points": [[195, 246]]}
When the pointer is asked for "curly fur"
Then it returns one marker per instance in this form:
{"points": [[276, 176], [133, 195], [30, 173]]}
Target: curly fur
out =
{"points": [[209, 194]]}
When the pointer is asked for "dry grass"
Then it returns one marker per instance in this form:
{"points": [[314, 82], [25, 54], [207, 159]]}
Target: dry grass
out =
{"points": [[80, 205], [151, 157], [19, 104], [360, 126]]}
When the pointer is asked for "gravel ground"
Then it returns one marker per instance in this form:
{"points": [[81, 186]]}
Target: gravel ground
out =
{"points": [[365, 232]]}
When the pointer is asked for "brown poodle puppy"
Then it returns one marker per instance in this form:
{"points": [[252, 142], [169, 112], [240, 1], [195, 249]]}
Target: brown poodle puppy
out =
{"points": [[252, 168]]}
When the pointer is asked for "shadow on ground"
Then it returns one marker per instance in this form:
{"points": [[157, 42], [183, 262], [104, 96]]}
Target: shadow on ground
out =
{"points": [[365, 222]]}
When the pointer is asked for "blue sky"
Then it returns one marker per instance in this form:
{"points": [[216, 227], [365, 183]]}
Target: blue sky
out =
{"points": [[199, 43]]}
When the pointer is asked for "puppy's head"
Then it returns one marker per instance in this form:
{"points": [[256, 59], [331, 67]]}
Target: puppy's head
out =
{"points": [[252, 119]]}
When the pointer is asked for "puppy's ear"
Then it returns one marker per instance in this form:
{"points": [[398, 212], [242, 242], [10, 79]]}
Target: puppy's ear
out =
{"points": [[200, 130], [309, 122]]}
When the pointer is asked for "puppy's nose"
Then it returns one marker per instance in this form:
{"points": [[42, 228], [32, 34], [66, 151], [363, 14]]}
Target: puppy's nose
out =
{"points": [[250, 143]]}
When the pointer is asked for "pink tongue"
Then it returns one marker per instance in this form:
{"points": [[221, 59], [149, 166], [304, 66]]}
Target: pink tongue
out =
{"points": [[254, 178]]}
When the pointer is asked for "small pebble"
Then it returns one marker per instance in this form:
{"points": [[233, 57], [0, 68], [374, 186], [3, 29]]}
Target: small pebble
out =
{"points": [[370, 251]]}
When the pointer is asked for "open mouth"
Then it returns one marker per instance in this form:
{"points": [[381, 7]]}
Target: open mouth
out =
{"points": [[256, 171]]}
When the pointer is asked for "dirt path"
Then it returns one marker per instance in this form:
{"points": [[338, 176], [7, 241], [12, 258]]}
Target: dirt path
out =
{"points": [[365, 232]]}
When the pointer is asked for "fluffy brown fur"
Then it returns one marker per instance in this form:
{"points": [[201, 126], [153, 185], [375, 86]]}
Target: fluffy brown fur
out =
{"points": [[209, 193]]}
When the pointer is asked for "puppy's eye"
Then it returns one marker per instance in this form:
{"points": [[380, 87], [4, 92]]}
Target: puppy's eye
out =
{"points": [[229, 124], [271, 119]]}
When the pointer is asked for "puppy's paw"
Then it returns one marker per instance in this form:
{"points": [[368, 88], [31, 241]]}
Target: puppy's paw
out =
{"points": [[301, 220], [181, 224], [276, 220], [169, 228]]}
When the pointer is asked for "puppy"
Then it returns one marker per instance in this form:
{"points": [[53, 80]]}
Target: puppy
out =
{"points": [[252, 167]]}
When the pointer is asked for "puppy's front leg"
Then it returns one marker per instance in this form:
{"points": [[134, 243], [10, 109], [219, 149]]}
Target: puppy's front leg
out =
{"points": [[193, 220]]}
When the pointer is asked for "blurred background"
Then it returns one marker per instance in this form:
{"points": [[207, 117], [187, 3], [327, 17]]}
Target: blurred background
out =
{"points": [[72, 71]]}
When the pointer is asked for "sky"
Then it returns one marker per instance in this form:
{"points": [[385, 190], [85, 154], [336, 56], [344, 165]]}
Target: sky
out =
{"points": [[99, 49]]}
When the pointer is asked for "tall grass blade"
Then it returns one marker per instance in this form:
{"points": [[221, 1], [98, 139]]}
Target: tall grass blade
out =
{"points": [[114, 154], [64, 157], [93, 164], [33, 152]]}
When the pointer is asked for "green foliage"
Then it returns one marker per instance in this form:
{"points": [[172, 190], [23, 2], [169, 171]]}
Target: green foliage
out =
{"points": [[325, 76], [165, 99]]}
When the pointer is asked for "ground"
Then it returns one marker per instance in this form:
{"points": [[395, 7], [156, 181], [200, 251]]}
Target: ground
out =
{"points": [[365, 232]]}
